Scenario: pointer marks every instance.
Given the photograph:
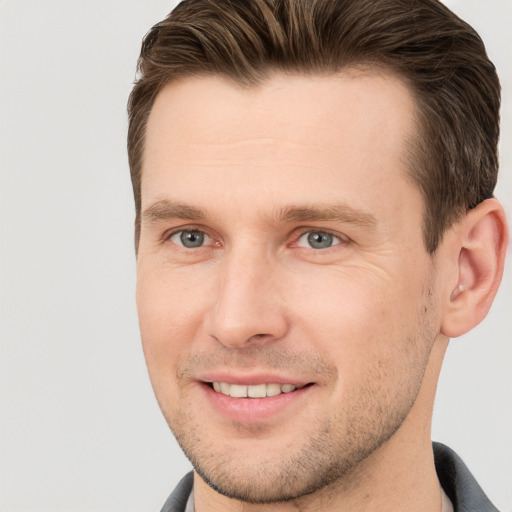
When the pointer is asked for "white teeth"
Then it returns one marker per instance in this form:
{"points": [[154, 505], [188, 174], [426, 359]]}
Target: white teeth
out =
{"points": [[259, 391], [256, 391], [237, 391], [273, 389]]}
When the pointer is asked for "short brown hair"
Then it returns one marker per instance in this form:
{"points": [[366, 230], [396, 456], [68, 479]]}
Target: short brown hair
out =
{"points": [[453, 158]]}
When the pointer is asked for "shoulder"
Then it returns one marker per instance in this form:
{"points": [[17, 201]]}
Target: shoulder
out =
{"points": [[458, 482]]}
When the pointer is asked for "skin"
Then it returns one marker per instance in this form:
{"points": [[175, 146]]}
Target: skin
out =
{"points": [[365, 322]]}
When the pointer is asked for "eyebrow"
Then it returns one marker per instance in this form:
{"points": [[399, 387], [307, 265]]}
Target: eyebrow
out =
{"points": [[332, 213], [166, 210]]}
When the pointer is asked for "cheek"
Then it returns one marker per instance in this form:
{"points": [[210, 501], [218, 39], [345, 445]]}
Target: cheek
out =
{"points": [[169, 300], [359, 322], [344, 307], [170, 315]]}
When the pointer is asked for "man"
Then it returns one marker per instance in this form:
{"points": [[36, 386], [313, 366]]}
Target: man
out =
{"points": [[313, 184]]}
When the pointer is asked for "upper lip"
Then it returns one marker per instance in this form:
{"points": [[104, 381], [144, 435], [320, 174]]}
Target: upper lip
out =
{"points": [[251, 379]]}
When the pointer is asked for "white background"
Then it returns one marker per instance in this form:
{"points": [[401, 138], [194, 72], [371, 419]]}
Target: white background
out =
{"points": [[80, 429]]}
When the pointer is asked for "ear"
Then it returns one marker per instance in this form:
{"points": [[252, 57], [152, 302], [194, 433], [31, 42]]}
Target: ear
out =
{"points": [[482, 240]]}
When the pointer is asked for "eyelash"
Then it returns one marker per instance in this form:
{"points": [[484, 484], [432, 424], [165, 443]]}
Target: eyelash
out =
{"points": [[167, 236], [338, 238]]}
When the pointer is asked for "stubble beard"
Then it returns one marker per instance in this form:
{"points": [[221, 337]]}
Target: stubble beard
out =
{"points": [[332, 449], [327, 458], [329, 455]]}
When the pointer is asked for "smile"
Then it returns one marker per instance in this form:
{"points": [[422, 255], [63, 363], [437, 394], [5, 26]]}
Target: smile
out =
{"points": [[255, 399], [254, 391]]}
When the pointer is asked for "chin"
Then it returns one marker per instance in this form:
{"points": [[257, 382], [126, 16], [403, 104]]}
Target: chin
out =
{"points": [[267, 472]]}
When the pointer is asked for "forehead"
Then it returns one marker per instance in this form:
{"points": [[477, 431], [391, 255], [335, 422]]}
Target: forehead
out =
{"points": [[305, 133], [369, 98]]}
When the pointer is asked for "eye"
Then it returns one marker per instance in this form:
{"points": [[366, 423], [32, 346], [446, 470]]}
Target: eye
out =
{"points": [[191, 238], [318, 240]]}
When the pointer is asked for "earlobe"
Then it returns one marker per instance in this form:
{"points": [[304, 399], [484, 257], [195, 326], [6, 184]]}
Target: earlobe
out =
{"points": [[482, 245]]}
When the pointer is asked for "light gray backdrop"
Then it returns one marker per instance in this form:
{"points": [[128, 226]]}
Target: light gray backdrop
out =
{"points": [[80, 429]]}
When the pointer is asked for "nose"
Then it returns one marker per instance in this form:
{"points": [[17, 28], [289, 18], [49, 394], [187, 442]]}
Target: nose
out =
{"points": [[248, 307]]}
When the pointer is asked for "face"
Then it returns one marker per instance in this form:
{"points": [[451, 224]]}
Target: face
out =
{"points": [[286, 300]]}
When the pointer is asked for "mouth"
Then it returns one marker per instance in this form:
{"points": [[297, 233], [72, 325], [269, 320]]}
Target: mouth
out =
{"points": [[254, 397], [253, 391]]}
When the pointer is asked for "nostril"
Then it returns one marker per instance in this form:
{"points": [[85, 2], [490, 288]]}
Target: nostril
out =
{"points": [[257, 336]]}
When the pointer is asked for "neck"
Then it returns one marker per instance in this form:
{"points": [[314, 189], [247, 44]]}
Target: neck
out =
{"points": [[399, 476]]}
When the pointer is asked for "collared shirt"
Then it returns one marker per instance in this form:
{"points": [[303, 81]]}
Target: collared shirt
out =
{"points": [[190, 503], [447, 503]]}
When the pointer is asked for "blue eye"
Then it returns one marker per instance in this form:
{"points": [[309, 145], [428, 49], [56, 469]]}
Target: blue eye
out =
{"points": [[318, 240], [191, 239]]}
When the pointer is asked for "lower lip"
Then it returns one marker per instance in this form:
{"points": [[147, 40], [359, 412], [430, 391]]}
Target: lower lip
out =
{"points": [[253, 410]]}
